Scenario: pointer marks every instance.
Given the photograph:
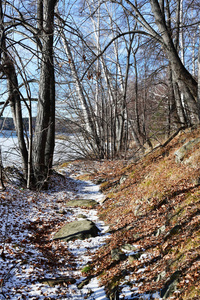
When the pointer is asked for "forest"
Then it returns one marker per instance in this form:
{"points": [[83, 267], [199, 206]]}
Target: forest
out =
{"points": [[119, 81]]}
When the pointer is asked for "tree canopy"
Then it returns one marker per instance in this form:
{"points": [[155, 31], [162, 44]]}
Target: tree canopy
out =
{"points": [[124, 73]]}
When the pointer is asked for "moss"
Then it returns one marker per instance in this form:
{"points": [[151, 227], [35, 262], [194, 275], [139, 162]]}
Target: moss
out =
{"points": [[191, 243], [86, 269]]}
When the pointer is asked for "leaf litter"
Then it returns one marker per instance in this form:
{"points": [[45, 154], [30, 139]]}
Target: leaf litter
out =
{"points": [[29, 254]]}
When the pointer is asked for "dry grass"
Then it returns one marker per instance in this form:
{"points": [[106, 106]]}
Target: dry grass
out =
{"points": [[157, 191]]}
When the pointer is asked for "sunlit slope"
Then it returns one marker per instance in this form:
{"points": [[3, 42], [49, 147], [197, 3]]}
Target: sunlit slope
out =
{"points": [[154, 205]]}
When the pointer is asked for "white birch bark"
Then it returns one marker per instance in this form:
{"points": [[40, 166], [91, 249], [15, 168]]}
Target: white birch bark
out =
{"points": [[85, 108]]}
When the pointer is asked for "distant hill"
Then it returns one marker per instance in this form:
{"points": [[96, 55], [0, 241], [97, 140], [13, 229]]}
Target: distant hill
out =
{"points": [[8, 124], [62, 126]]}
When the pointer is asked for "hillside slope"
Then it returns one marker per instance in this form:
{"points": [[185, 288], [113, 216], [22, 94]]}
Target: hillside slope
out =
{"points": [[153, 210]]}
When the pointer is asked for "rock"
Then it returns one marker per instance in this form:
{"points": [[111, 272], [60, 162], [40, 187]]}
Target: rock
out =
{"points": [[181, 153], [61, 211], [160, 230], [123, 179], [134, 256], [81, 216], [129, 247], [55, 281], [84, 282], [170, 285], [136, 211], [161, 276], [114, 295], [136, 236], [77, 230], [85, 203], [176, 229], [117, 255], [99, 180]]}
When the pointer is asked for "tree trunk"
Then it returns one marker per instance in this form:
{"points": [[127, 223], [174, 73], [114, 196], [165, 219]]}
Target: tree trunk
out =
{"points": [[44, 139], [183, 78]]}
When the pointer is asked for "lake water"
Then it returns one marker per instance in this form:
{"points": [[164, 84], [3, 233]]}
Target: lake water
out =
{"points": [[64, 149]]}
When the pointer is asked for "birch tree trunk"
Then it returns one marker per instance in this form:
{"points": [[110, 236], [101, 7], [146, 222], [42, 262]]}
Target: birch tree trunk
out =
{"points": [[14, 99]]}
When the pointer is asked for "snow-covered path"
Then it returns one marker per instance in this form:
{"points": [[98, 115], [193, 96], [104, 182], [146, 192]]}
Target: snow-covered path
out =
{"points": [[28, 252]]}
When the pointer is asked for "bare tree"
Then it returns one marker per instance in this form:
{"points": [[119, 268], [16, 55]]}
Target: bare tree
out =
{"points": [[44, 140]]}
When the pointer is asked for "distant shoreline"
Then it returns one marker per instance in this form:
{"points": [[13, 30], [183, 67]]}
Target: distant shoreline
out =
{"points": [[62, 125]]}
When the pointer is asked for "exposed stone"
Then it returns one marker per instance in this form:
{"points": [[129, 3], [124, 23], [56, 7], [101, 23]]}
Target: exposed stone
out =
{"points": [[136, 211], [61, 211], [160, 230], [99, 180], [117, 254], [176, 229], [161, 276], [170, 285], [129, 247], [77, 230], [81, 216], [123, 179], [182, 152], [85, 203], [55, 281], [84, 282], [136, 236], [134, 256]]}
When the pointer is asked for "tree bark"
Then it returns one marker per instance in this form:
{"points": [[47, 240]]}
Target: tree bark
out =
{"points": [[180, 73], [44, 139]]}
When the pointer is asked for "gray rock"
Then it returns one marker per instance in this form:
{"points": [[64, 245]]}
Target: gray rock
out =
{"points": [[77, 230], [175, 230], [134, 256], [81, 216], [170, 285], [129, 247], [181, 153], [136, 211], [55, 281], [161, 276], [123, 179], [86, 203], [117, 255], [160, 230], [84, 282]]}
